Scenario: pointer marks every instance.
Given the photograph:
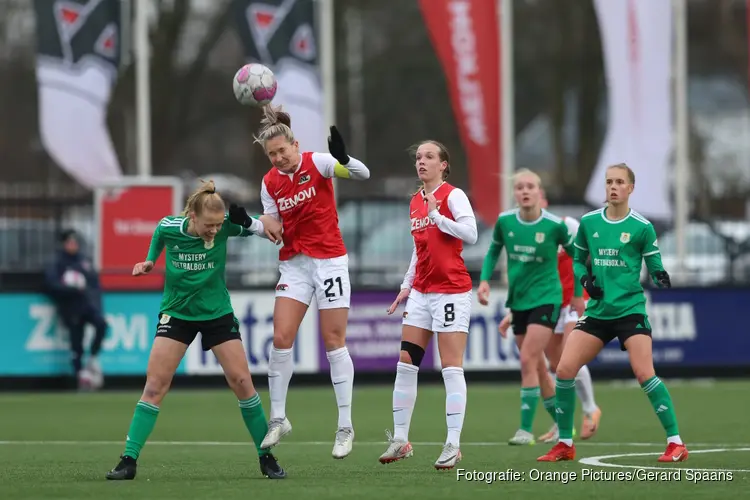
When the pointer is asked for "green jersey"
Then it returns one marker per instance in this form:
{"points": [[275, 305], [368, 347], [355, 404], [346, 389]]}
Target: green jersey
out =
{"points": [[533, 278], [617, 250], [194, 287]]}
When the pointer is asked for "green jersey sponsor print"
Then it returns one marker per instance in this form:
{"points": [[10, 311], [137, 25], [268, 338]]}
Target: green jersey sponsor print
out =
{"points": [[617, 250], [532, 247], [195, 287]]}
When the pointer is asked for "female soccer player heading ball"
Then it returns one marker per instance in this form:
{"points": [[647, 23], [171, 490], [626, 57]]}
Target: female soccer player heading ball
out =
{"points": [[438, 288], [531, 237], [298, 192], [196, 300], [618, 240]]}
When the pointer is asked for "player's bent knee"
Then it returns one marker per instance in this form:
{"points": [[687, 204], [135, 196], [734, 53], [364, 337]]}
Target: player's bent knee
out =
{"points": [[156, 388], [411, 353], [567, 371]]}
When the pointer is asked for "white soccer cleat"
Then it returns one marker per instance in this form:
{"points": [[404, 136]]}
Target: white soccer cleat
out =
{"points": [[398, 449], [521, 438], [342, 446], [277, 429], [448, 459], [550, 436]]}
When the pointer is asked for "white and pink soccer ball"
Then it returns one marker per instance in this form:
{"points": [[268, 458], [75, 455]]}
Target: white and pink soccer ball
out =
{"points": [[254, 85]]}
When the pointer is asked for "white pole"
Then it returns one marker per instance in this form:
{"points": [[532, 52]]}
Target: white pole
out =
{"points": [[355, 44], [507, 123], [682, 135], [328, 66], [142, 89]]}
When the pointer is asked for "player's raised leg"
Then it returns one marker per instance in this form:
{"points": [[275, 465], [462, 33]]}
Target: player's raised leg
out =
{"points": [[579, 349], [452, 346], [232, 358], [288, 314], [641, 360], [165, 357]]}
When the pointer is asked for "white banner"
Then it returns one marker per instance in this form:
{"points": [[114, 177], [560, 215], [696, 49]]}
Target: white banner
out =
{"points": [[254, 310], [637, 44], [281, 35], [78, 56]]}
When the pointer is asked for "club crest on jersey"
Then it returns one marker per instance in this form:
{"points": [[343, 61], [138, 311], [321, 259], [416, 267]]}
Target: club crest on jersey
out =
{"points": [[539, 237], [624, 237], [304, 178]]}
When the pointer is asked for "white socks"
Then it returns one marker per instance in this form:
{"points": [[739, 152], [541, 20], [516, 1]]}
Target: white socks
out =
{"points": [[404, 397], [585, 390], [342, 377], [280, 368], [455, 403]]}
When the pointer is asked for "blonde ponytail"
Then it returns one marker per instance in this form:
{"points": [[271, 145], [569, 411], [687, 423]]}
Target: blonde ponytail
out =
{"points": [[205, 198], [275, 123]]}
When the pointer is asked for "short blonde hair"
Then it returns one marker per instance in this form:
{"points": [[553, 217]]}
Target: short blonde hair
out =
{"points": [[205, 198], [275, 123], [526, 172], [624, 166]]}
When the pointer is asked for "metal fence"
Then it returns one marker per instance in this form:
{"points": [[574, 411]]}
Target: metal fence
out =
{"points": [[377, 235]]}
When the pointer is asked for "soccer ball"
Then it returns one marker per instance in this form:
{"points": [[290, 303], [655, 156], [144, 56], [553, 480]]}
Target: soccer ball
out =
{"points": [[254, 85]]}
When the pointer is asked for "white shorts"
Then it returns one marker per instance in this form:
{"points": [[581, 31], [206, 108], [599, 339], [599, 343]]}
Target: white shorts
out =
{"points": [[303, 277], [438, 312], [567, 315]]}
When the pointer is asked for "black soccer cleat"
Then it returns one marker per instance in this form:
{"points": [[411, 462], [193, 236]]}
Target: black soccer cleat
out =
{"points": [[125, 470], [270, 467]]}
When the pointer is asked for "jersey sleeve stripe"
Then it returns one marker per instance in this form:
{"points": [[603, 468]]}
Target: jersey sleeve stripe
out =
{"points": [[552, 217], [579, 247], [651, 253], [594, 212], [639, 217]]}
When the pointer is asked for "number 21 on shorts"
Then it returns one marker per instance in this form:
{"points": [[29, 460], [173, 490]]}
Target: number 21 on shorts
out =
{"points": [[332, 284]]}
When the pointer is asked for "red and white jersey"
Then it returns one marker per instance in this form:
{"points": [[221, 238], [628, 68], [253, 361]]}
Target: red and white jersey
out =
{"points": [[437, 265], [565, 265], [304, 202]]}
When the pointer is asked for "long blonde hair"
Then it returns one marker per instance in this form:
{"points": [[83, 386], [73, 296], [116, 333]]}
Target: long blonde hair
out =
{"points": [[205, 198], [274, 123]]}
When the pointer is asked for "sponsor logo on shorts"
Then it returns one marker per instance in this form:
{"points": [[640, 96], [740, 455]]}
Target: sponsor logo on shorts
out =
{"points": [[281, 287], [164, 319], [405, 315]]}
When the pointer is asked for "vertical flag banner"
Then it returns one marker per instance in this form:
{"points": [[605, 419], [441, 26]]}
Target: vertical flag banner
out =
{"points": [[465, 35], [78, 55], [281, 35], [637, 44]]}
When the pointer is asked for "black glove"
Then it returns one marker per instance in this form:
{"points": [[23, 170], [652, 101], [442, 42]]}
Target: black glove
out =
{"points": [[238, 215], [336, 146], [662, 279], [595, 292]]}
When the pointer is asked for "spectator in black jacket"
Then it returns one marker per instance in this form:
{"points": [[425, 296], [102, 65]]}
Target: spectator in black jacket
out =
{"points": [[73, 286]]}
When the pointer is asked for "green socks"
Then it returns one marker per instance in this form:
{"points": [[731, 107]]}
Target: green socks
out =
{"points": [[529, 400], [549, 405], [141, 426], [565, 406], [255, 421], [661, 401]]}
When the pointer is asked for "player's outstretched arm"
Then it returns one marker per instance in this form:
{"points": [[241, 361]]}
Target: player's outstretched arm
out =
{"points": [[493, 252], [157, 243], [337, 163], [464, 227], [652, 257]]}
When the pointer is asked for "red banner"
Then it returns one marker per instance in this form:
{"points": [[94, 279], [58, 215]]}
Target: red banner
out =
{"points": [[127, 217], [465, 35]]}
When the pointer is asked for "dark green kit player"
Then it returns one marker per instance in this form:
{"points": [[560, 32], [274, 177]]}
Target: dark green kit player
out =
{"points": [[531, 237], [617, 240], [196, 300]]}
